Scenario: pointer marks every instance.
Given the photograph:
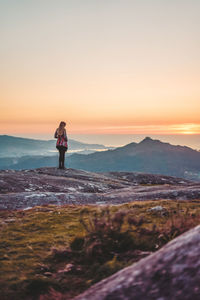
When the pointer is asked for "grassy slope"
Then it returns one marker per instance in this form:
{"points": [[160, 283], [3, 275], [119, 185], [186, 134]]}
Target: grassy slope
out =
{"points": [[27, 239]]}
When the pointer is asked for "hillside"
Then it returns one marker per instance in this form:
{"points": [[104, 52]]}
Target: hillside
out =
{"points": [[62, 231]]}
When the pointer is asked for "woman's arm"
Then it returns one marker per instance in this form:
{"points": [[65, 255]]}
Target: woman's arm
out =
{"points": [[56, 134], [65, 135]]}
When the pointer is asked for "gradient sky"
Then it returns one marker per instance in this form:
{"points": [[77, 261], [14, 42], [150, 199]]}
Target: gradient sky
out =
{"points": [[103, 66]]}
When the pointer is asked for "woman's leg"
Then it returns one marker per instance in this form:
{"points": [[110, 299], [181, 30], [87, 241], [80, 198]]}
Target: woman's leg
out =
{"points": [[60, 158], [63, 159]]}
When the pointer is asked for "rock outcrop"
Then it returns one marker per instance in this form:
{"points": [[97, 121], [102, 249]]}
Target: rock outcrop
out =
{"points": [[172, 273], [28, 188]]}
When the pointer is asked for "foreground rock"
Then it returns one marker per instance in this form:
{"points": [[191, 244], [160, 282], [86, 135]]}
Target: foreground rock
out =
{"points": [[28, 188], [172, 273]]}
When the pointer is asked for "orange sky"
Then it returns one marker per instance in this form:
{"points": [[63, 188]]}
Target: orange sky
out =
{"points": [[115, 67]]}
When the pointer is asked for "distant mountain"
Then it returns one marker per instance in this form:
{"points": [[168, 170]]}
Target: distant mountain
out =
{"points": [[148, 156], [11, 146]]}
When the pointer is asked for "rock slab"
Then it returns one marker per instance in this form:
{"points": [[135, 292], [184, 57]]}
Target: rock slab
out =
{"points": [[172, 273], [28, 188]]}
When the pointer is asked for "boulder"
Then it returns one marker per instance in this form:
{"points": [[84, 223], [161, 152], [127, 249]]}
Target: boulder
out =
{"points": [[172, 273]]}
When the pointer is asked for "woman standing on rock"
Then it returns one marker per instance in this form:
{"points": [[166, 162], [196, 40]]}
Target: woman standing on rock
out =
{"points": [[61, 144]]}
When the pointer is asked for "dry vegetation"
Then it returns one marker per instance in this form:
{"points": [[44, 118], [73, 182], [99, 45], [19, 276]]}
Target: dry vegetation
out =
{"points": [[67, 249]]}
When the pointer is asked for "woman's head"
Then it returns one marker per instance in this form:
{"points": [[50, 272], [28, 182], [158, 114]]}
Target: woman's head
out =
{"points": [[61, 128], [62, 124]]}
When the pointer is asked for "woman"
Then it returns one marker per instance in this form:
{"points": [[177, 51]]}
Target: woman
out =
{"points": [[61, 144]]}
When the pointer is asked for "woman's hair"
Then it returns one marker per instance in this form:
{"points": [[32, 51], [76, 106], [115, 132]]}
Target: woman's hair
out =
{"points": [[61, 128]]}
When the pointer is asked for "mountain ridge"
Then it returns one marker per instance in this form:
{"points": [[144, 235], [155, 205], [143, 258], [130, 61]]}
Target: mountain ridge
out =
{"points": [[148, 156], [151, 156]]}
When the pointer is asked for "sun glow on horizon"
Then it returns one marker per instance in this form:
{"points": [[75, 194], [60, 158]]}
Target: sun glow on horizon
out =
{"points": [[189, 129], [73, 128]]}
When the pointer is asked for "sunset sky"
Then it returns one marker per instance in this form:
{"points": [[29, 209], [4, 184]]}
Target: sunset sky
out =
{"points": [[103, 66]]}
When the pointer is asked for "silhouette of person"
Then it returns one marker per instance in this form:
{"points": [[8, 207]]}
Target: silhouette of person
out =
{"points": [[61, 144]]}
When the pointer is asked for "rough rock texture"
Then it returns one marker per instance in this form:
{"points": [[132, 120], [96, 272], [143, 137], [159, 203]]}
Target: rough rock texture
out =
{"points": [[172, 273], [28, 188]]}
